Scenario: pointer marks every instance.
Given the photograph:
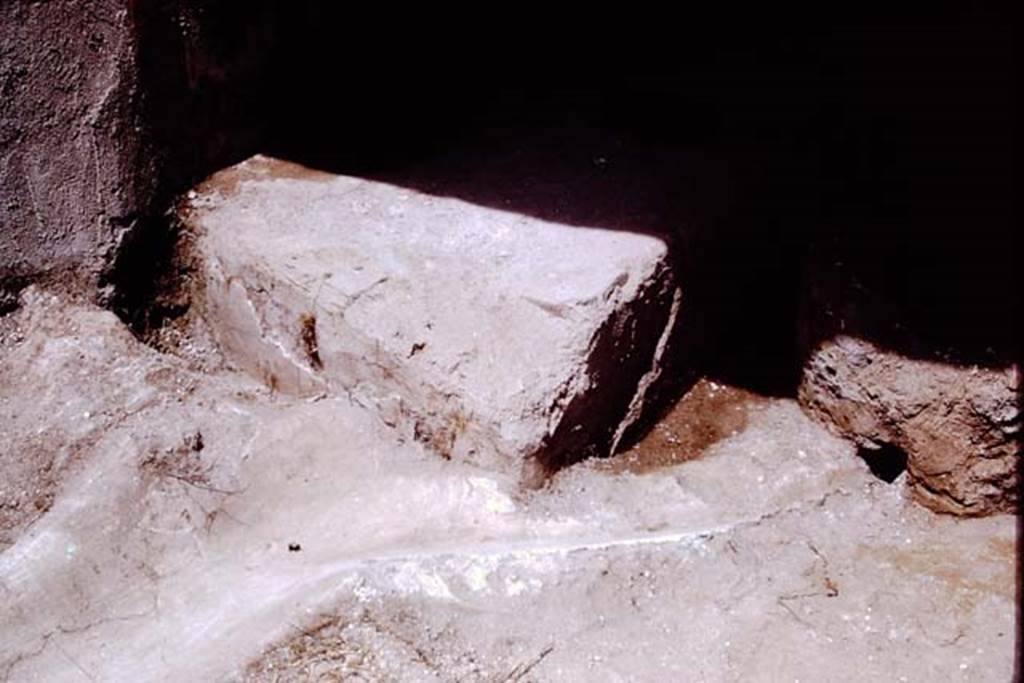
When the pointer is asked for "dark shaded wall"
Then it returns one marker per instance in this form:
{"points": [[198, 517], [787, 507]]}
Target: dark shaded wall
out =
{"points": [[70, 141], [107, 109], [917, 248]]}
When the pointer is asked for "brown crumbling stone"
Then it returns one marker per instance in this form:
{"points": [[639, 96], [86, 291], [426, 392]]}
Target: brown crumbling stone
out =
{"points": [[959, 425]]}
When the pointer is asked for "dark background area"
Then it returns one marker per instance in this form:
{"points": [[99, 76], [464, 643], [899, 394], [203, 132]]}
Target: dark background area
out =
{"points": [[829, 174], [844, 172]]}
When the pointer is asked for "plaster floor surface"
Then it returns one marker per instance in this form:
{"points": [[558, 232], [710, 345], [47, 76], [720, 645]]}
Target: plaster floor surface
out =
{"points": [[193, 524]]}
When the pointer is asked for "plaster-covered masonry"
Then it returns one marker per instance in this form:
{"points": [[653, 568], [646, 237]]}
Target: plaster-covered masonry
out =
{"points": [[71, 174], [488, 336]]}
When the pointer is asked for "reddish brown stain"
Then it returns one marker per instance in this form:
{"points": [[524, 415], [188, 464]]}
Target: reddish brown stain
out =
{"points": [[308, 340], [708, 413], [226, 182], [996, 579]]}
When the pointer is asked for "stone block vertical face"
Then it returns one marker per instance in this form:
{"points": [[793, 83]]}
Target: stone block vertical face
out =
{"points": [[488, 336], [958, 425]]}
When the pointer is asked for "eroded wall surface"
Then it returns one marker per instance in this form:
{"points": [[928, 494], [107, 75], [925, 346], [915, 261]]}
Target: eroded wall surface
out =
{"points": [[70, 135], [107, 109]]}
